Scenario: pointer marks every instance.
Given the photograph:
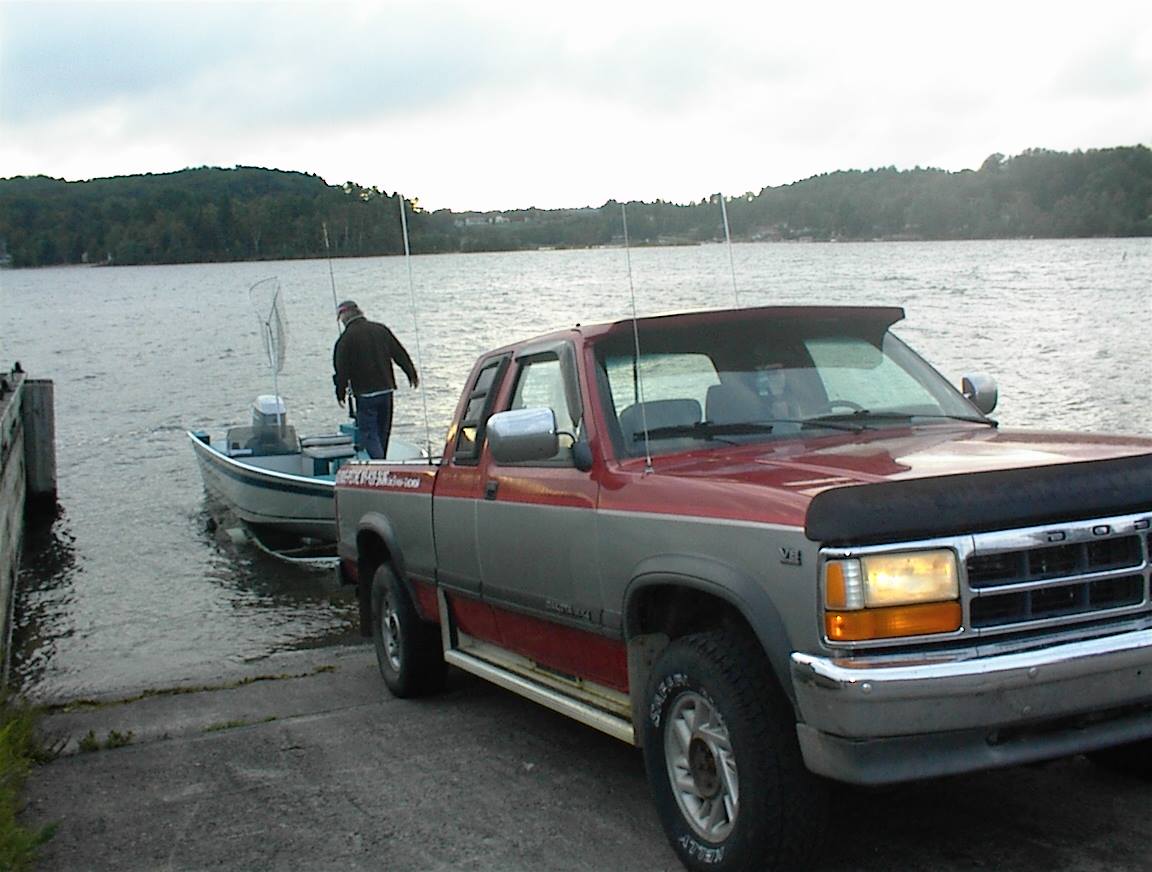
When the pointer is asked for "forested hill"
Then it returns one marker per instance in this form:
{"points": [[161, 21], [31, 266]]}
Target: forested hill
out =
{"points": [[212, 214]]}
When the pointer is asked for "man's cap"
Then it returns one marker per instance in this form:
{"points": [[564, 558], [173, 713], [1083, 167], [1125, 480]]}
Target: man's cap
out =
{"points": [[347, 306]]}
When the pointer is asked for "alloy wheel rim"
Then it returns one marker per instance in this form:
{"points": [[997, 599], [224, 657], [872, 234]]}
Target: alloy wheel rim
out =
{"points": [[702, 766], [390, 632]]}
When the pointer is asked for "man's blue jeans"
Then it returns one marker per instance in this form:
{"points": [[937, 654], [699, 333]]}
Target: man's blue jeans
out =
{"points": [[374, 422]]}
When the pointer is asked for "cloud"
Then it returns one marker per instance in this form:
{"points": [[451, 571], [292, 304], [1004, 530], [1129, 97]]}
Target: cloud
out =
{"points": [[512, 102], [57, 58], [329, 62], [1112, 69]]}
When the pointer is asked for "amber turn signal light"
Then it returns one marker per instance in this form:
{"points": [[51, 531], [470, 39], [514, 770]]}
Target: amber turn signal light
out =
{"points": [[892, 622], [835, 594]]}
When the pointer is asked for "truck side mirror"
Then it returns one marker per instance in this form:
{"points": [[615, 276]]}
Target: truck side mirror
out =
{"points": [[980, 389], [523, 435]]}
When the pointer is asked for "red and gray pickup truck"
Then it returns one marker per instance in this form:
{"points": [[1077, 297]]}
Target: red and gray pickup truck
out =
{"points": [[774, 548]]}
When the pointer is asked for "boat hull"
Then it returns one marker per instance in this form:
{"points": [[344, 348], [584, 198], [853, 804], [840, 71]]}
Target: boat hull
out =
{"points": [[294, 504]]}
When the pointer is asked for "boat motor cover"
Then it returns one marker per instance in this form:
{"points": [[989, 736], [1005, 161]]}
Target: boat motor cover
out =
{"points": [[923, 508], [268, 410]]}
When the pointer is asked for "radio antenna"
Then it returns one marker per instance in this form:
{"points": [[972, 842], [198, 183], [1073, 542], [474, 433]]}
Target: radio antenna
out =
{"points": [[728, 242], [416, 325], [639, 382]]}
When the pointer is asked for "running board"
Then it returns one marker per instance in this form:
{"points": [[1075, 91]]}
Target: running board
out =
{"points": [[599, 719]]}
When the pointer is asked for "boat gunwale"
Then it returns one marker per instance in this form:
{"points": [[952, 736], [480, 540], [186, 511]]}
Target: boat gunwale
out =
{"points": [[209, 451]]}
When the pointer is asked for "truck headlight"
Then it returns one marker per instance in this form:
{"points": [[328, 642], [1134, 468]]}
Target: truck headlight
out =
{"points": [[881, 596]]}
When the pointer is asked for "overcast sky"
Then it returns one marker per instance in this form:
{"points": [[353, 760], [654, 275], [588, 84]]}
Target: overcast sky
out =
{"points": [[502, 104]]}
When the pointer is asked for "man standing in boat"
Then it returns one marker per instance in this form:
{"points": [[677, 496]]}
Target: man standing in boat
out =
{"points": [[363, 358]]}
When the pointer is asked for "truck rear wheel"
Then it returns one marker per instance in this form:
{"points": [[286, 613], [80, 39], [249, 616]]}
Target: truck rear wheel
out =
{"points": [[408, 649], [723, 762]]}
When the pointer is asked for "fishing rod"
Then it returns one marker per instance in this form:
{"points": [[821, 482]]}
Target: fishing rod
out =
{"points": [[638, 382], [348, 395], [331, 274], [728, 240], [416, 325]]}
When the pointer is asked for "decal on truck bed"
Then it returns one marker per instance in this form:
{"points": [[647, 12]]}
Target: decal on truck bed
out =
{"points": [[377, 477]]}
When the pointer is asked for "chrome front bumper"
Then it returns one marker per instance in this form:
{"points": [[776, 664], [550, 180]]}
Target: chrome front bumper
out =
{"points": [[866, 722]]}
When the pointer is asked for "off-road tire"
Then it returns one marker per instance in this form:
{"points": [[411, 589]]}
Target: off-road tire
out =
{"points": [[717, 718], [408, 649], [1134, 759]]}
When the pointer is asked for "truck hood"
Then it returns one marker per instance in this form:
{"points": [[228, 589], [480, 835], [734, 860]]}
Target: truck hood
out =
{"points": [[813, 465], [776, 482]]}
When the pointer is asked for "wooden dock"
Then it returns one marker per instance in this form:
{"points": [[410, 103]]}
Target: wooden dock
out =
{"points": [[27, 481]]}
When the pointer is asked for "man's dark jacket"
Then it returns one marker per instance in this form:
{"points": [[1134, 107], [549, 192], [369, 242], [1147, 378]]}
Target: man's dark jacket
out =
{"points": [[363, 356]]}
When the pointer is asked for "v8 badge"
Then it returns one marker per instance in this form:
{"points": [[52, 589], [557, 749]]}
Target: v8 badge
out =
{"points": [[790, 556]]}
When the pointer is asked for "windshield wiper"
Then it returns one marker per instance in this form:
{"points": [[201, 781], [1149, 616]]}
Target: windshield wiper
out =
{"points": [[970, 419], [825, 422], [851, 422], [705, 430], [714, 432], [869, 415]]}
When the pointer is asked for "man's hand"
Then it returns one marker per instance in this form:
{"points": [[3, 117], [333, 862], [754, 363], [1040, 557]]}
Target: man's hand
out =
{"points": [[340, 398], [414, 382]]}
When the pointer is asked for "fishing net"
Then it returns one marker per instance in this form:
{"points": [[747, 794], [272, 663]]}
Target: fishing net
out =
{"points": [[268, 302]]}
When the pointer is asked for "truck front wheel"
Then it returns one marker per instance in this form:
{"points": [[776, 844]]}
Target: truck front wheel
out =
{"points": [[723, 762], [408, 649]]}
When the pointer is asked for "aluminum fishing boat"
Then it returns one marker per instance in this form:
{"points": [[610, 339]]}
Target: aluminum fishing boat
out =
{"points": [[279, 483]]}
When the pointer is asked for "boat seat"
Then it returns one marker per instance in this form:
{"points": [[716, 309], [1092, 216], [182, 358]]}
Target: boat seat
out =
{"points": [[326, 440], [326, 459]]}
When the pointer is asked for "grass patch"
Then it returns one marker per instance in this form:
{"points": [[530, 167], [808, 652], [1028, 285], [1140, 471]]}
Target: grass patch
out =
{"points": [[239, 722], [21, 746], [89, 742]]}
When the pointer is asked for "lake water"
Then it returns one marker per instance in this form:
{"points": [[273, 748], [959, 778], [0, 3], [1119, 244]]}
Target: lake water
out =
{"points": [[130, 588]]}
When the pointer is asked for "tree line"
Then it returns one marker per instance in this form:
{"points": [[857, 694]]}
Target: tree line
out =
{"points": [[248, 213]]}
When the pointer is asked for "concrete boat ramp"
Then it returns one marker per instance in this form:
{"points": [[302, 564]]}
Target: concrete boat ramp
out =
{"points": [[303, 761]]}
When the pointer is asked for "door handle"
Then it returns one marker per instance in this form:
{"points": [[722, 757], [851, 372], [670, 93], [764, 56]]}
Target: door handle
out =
{"points": [[490, 489]]}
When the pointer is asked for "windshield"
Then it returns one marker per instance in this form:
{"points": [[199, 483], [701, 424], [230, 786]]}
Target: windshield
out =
{"points": [[766, 379]]}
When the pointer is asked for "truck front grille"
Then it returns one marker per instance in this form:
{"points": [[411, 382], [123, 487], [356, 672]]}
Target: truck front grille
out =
{"points": [[1039, 578]]}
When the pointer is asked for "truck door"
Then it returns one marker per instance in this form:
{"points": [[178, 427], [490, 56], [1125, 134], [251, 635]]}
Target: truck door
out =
{"points": [[459, 483], [536, 522]]}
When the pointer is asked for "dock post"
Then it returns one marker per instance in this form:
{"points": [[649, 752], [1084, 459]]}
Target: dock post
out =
{"points": [[27, 482], [40, 447], [13, 488]]}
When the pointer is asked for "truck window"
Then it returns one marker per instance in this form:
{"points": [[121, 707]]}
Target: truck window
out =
{"points": [[761, 380], [664, 376], [854, 369], [481, 397], [675, 388], [540, 385]]}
